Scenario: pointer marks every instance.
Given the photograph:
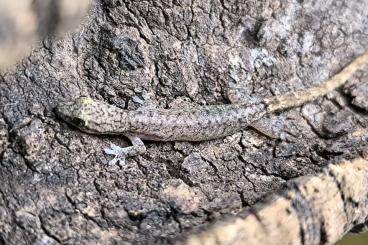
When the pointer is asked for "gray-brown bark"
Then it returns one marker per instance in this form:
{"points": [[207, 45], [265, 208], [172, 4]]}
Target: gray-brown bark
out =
{"points": [[312, 210], [55, 185]]}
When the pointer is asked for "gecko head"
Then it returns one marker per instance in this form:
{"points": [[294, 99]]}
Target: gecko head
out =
{"points": [[80, 113]]}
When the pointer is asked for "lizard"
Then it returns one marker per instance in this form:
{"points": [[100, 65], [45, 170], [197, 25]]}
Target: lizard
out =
{"points": [[188, 124]]}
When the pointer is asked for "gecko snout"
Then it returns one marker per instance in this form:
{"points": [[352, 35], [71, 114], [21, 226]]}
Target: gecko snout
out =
{"points": [[74, 111]]}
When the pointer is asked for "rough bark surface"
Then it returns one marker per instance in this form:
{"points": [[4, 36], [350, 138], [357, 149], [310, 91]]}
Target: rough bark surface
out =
{"points": [[311, 210], [55, 184]]}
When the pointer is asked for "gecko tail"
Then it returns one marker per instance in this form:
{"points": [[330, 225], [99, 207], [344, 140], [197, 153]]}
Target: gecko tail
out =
{"points": [[281, 102]]}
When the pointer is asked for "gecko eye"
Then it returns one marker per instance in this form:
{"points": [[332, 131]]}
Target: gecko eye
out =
{"points": [[77, 122]]}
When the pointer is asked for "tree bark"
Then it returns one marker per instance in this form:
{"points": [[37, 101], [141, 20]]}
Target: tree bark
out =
{"points": [[56, 186], [311, 210]]}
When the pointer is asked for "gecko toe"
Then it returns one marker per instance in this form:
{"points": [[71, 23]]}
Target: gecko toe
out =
{"points": [[109, 151], [113, 162], [113, 150], [118, 153], [117, 161]]}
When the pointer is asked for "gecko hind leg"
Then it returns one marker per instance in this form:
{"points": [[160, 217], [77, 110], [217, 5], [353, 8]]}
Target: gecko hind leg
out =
{"points": [[120, 154], [239, 94], [261, 126]]}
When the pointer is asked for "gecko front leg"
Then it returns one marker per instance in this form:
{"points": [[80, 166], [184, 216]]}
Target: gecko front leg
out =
{"points": [[120, 154]]}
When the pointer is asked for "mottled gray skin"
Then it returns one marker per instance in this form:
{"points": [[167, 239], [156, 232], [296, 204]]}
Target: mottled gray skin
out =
{"points": [[193, 124]]}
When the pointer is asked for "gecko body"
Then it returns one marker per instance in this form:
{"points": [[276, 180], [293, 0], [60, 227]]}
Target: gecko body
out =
{"points": [[187, 124], [190, 124]]}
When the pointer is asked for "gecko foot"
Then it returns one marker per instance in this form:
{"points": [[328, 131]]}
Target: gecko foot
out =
{"points": [[119, 154]]}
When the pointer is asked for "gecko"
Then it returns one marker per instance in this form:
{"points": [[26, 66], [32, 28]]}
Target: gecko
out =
{"points": [[186, 124]]}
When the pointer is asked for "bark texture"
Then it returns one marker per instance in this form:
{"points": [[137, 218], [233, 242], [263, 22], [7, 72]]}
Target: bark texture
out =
{"points": [[55, 184], [312, 210]]}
